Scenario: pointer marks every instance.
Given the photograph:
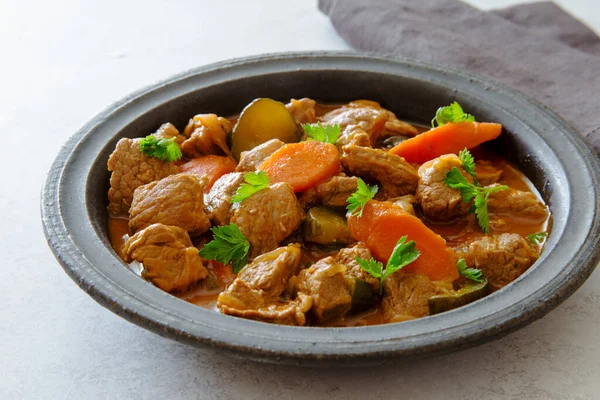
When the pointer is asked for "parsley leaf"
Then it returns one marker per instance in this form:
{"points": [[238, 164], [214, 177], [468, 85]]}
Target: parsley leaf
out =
{"points": [[481, 212], [358, 200], [375, 268], [255, 182], [160, 148], [322, 133], [467, 160], [473, 274], [537, 238], [470, 191], [456, 180], [228, 245], [451, 113], [402, 255]]}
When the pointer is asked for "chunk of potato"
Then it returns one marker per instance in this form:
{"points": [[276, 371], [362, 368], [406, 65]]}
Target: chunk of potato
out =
{"points": [[262, 120]]}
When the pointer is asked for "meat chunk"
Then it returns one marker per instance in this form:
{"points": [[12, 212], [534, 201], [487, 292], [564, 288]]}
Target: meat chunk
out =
{"points": [[405, 296], [267, 217], [501, 258], [270, 272], [333, 192], [303, 110], [168, 131], [250, 160], [176, 200], [348, 256], [170, 261], [485, 173], [396, 176], [438, 201], [207, 134], [364, 118], [218, 199], [517, 203], [324, 282], [258, 291], [130, 169], [354, 136], [288, 312]]}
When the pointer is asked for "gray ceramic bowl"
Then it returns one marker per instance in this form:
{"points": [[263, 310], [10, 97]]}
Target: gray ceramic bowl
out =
{"points": [[560, 164]]}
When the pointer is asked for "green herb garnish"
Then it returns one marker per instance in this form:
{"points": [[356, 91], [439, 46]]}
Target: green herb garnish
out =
{"points": [[358, 200], [228, 245], [537, 238], [403, 254], [473, 274], [160, 148], [467, 161], [322, 133], [255, 182], [470, 191], [451, 113]]}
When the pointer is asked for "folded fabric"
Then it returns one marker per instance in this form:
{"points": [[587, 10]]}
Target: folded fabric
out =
{"points": [[536, 48]]}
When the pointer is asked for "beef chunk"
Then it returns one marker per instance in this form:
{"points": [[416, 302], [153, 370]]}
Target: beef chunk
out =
{"points": [[207, 134], [353, 136], [396, 176], [333, 192], [250, 160], [285, 312], [485, 173], [176, 200], [303, 110], [258, 290], [516, 203], [218, 199], [353, 270], [170, 261], [267, 217], [168, 131], [438, 201], [502, 258], [366, 119], [405, 296], [324, 281], [130, 169], [270, 272]]}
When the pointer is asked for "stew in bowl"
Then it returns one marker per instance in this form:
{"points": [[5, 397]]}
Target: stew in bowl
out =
{"points": [[319, 214]]}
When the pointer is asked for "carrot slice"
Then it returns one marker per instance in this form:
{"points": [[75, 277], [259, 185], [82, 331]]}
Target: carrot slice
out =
{"points": [[445, 139], [302, 165], [211, 166], [361, 227], [382, 224]]}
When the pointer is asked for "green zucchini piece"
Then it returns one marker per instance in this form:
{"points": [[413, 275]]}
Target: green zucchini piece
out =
{"points": [[362, 294], [324, 226], [470, 292]]}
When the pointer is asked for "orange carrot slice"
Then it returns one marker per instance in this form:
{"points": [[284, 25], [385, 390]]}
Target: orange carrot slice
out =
{"points": [[302, 165], [210, 166], [446, 139], [382, 224]]}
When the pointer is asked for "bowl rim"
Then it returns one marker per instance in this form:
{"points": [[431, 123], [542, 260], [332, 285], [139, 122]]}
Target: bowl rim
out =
{"points": [[62, 212]]}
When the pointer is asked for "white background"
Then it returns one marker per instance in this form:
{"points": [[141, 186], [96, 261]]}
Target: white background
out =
{"points": [[64, 61]]}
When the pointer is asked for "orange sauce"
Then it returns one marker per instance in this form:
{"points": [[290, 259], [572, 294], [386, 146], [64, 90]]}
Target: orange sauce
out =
{"points": [[118, 228]]}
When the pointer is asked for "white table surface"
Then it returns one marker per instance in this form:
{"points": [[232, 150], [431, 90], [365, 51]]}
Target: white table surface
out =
{"points": [[62, 62]]}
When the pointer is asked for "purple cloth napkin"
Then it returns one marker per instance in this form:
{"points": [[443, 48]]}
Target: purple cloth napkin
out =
{"points": [[536, 48]]}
